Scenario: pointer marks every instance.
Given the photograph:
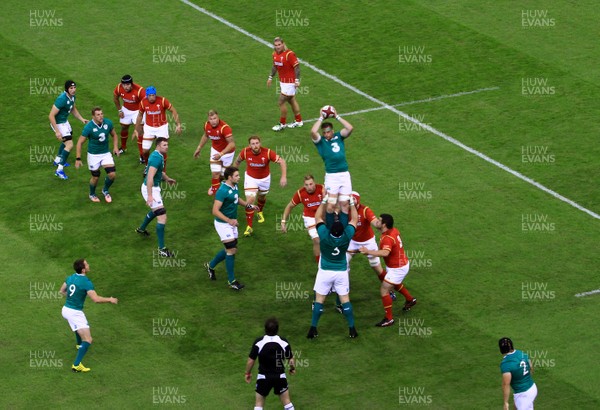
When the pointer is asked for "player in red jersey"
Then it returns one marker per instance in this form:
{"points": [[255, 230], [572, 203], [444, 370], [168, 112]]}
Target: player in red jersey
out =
{"points": [[156, 125], [287, 66], [222, 147], [310, 196], [364, 236], [396, 264], [257, 179], [131, 94]]}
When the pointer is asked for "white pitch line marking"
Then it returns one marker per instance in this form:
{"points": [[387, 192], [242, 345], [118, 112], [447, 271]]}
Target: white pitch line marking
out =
{"points": [[403, 114], [425, 100], [591, 292]]}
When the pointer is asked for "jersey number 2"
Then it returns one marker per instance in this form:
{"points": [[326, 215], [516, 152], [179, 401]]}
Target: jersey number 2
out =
{"points": [[523, 364]]}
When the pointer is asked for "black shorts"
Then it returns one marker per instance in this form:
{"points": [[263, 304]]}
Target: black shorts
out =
{"points": [[264, 384]]}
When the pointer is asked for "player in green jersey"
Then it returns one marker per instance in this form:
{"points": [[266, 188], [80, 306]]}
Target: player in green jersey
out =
{"points": [[225, 212], [97, 131], [59, 114], [333, 266], [151, 192], [516, 371], [332, 150], [76, 288]]}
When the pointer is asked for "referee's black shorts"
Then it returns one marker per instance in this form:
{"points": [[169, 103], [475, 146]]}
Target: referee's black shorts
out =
{"points": [[264, 384]]}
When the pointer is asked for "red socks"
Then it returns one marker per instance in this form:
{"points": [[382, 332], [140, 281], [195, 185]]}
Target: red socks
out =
{"points": [[124, 136], [249, 217], [402, 289], [262, 200], [387, 305]]}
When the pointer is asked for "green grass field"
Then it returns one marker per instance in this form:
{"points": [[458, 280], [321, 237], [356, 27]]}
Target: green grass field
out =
{"points": [[492, 254]]}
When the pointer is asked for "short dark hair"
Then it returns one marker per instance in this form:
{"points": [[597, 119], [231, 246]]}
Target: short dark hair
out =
{"points": [[160, 140], [271, 326], [96, 109], [229, 171], [326, 125], [505, 345], [79, 265], [337, 229], [127, 79], [387, 219]]}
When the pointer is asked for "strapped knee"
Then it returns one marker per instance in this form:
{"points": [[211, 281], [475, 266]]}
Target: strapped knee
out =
{"points": [[110, 169], [231, 245], [95, 173], [160, 211]]}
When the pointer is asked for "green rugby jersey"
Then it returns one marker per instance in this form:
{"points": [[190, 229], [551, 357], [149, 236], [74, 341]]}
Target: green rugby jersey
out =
{"points": [[65, 104], [77, 288], [333, 152], [98, 136], [229, 196], [517, 364], [333, 250], [157, 161]]}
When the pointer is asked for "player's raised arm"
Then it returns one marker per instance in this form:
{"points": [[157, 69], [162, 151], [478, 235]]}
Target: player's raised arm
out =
{"points": [[353, 213], [320, 210], [314, 131], [348, 128]]}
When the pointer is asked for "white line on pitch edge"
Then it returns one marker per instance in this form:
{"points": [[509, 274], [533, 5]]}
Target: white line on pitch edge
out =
{"points": [[440, 97], [591, 292], [402, 114]]}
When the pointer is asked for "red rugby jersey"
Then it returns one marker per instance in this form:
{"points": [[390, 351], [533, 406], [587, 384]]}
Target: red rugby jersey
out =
{"points": [[155, 112], [310, 201], [258, 164], [218, 135], [391, 240], [285, 62], [364, 231], [131, 99]]}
